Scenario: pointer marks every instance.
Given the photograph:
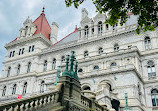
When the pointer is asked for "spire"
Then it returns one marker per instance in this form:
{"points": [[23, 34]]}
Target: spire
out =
{"points": [[43, 10], [43, 26], [72, 59], [66, 72], [76, 76]]}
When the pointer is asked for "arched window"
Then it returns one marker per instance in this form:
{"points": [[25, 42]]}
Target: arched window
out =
{"points": [[54, 63], [100, 27], [18, 69], [147, 42], [8, 72], [96, 67], [154, 97], [86, 87], [45, 66], [14, 89], [80, 70], [92, 30], [33, 47], [115, 26], [113, 64], [4, 91], [151, 69], [86, 31], [100, 50], [24, 88], [42, 87], [107, 26], [85, 54], [28, 67], [63, 59], [116, 47], [139, 92], [26, 30]]}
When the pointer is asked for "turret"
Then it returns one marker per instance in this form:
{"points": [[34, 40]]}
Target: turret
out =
{"points": [[84, 13]]}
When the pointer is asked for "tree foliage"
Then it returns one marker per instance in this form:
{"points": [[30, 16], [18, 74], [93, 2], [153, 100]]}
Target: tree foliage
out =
{"points": [[146, 10]]}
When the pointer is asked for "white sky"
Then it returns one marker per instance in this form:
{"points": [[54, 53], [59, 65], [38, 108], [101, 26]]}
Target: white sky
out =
{"points": [[14, 12]]}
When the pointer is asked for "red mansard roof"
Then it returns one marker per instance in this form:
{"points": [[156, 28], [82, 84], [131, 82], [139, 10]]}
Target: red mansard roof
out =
{"points": [[43, 26]]}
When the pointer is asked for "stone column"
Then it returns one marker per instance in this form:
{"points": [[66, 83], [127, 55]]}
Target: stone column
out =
{"points": [[49, 65], [95, 30]]}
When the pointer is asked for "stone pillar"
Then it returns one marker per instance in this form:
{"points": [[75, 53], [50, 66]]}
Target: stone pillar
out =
{"points": [[82, 33], [49, 65], [71, 91], [104, 28], [95, 30]]}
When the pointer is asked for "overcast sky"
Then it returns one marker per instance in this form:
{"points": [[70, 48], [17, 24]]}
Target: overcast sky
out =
{"points": [[14, 12]]}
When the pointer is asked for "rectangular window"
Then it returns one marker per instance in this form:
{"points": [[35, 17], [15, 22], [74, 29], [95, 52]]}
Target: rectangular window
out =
{"points": [[13, 53], [33, 48], [19, 51], [23, 49], [10, 54], [29, 48]]}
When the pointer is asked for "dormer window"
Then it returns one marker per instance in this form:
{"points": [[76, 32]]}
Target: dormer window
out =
{"points": [[107, 26], [86, 31], [92, 30], [100, 27], [26, 30]]}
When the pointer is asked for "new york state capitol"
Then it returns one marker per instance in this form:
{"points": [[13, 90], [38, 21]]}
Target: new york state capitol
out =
{"points": [[113, 61]]}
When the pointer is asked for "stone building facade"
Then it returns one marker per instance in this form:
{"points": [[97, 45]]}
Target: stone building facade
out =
{"points": [[113, 60]]}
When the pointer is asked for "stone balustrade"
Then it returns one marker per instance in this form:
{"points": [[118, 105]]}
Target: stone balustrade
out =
{"points": [[91, 104], [32, 103]]}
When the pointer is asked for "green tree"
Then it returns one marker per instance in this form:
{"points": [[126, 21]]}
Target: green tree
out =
{"points": [[119, 9]]}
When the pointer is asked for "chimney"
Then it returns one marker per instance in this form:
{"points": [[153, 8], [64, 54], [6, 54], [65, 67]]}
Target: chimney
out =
{"points": [[54, 32], [84, 13]]}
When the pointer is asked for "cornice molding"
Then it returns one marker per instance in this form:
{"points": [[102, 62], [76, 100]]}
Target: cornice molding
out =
{"points": [[26, 39]]}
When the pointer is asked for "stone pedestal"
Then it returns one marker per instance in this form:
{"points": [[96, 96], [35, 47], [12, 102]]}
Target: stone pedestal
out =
{"points": [[71, 90]]}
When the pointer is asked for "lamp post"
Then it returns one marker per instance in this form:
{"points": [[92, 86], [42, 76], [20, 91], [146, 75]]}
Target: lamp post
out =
{"points": [[126, 99], [58, 75]]}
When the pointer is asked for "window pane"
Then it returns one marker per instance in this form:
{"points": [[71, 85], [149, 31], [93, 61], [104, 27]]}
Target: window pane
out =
{"points": [[149, 70], [153, 69], [153, 101]]}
